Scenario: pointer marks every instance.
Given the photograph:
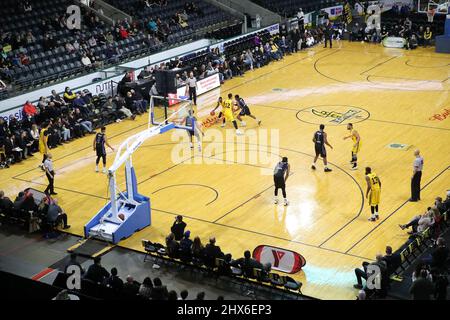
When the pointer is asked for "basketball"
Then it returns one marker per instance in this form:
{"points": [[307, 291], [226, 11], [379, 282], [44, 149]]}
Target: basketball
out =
{"points": [[121, 216], [212, 113]]}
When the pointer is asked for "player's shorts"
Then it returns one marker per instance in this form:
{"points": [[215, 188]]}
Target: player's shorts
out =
{"points": [[100, 152], [41, 148], [356, 148], [320, 150], [245, 111], [374, 196], [229, 116], [279, 182]]}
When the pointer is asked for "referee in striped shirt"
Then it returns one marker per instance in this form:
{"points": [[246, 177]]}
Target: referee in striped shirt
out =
{"points": [[191, 83], [50, 173]]}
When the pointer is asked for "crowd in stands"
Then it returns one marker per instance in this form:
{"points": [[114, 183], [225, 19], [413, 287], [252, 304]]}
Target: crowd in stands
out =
{"points": [[180, 246], [96, 276], [430, 277], [50, 49], [34, 214], [414, 36]]}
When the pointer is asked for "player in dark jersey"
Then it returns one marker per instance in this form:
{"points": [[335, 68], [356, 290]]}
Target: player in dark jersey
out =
{"points": [[280, 176], [244, 111], [99, 143], [320, 140]]}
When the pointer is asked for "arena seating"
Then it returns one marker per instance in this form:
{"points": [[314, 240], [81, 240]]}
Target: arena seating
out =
{"points": [[56, 63], [289, 8], [390, 19]]}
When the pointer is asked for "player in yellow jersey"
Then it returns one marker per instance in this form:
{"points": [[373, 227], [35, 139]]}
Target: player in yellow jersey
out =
{"points": [[228, 112], [43, 143], [354, 135], [373, 192]]}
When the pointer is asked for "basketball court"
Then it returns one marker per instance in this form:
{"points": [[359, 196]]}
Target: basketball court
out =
{"points": [[397, 100]]}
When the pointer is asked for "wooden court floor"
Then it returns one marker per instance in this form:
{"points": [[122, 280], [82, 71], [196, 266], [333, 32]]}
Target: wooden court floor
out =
{"points": [[395, 98]]}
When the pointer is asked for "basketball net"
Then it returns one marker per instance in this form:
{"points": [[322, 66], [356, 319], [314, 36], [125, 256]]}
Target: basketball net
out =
{"points": [[430, 14]]}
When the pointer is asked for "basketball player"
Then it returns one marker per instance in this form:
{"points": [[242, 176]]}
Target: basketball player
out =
{"points": [[43, 143], [280, 176], [99, 143], [197, 130], [244, 111], [228, 112], [320, 140], [356, 145], [219, 104], [373, 192]]}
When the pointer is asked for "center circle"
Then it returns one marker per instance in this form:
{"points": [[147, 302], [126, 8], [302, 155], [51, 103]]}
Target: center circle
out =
{"points": [[332, 114]]}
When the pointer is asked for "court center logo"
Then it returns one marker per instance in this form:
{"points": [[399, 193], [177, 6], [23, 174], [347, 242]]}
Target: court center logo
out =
{"points": [[332, 114]]}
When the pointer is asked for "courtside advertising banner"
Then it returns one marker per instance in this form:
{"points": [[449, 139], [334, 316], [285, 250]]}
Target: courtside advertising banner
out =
{"points": [[281, 259]]}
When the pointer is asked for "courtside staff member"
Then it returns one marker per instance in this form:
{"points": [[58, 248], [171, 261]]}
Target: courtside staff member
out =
{"points": [[50, 173], [416, 177], [191, 83]]}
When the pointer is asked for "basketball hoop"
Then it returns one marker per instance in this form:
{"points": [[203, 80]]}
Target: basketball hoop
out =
{"points": [[430, 14]]}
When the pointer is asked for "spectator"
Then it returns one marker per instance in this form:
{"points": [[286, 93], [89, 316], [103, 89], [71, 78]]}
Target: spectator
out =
{"points": [[178, 228], [186, 242], [247, 264], [56, 215], [6, 205], [427, 35], [441, 283], [145, 290], [159, 291], [130, 287], [361, 295], [200, 296], [422, 288], [64, 295], [114, 282], [85, 60], [392, 260], [440, 205], [362, 274], [420, 35], [439, 256], [212, 252], [419, 268], [85, 124], [172, 246], [69, 47], [198, 251], [172, 296], [123, 33], [69, 96], [446, 202], [29, 109], [119, 104], [96, 272], [183, 295], [249, 60], [420, 222]]}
